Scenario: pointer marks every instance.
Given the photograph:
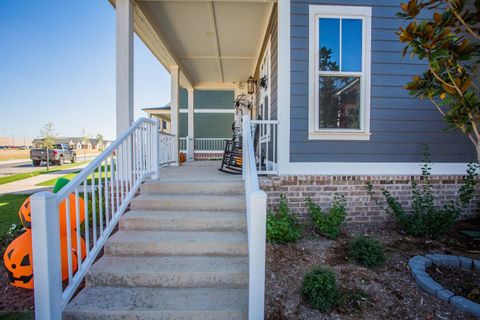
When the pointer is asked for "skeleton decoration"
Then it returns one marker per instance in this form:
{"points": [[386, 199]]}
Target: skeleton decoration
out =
{"points": [[243, 106]]}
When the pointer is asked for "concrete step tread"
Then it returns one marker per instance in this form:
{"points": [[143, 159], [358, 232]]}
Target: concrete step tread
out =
{"points": [[177, 243], [193, 187], [194, 202], [178, 236], [170, 272], [158, 303], [175, 264], [183, 197], [183, 215]]}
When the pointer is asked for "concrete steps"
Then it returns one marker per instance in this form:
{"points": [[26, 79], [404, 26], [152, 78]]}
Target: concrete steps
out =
{"points": [[184, 220], [189, 202], [170, 272], [109, 303], [180, 253], [193, 187], [182, 243]]}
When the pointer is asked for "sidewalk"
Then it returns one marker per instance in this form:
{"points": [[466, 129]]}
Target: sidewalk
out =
{"points": [[29, 185], [14, 161]]}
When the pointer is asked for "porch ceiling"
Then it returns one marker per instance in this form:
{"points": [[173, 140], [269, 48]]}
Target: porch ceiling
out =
{"points": [[215, 42]]}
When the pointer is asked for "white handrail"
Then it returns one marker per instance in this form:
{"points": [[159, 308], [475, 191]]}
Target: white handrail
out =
{"points": [[97, 197], [256, 205]]}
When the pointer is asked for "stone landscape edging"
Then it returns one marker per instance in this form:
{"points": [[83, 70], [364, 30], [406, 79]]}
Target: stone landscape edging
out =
{"points": [[418, 266]]}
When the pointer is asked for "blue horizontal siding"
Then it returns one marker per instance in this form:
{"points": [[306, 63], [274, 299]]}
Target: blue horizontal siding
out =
{"points": [[400, 124], [208, 125]]}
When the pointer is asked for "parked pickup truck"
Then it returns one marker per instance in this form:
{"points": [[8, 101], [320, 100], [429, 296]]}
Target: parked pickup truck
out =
{"points": [[57, 155]]}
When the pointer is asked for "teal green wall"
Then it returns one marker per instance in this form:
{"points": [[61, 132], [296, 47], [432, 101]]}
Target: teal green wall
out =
{"points": [[208, 125]]}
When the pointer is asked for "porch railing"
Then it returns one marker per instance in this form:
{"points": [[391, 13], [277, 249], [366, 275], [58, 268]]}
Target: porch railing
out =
{"points": [[203, 146], [256, 205], [165, 148], [74, 224], [265, 135]]}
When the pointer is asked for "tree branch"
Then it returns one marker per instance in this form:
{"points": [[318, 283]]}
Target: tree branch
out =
{"points": [[466, 26], [438, 107]]}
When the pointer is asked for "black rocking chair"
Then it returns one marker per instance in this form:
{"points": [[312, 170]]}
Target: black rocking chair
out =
{"points": [[232, 156]]}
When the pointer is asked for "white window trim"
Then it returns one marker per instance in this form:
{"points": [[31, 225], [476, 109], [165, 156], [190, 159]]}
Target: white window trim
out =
{"points": [[365, 14]]}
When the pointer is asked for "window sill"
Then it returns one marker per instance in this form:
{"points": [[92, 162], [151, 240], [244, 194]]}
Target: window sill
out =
{"points": [[331, 135]]}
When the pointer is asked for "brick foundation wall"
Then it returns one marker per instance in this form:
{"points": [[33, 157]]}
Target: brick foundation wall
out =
{"points": [[360, 207]]}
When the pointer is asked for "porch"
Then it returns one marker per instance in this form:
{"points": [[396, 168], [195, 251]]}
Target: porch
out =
{"points": [[205, 45]]}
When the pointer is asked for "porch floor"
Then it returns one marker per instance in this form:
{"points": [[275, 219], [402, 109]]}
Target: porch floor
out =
{"points": [[197, 171]]}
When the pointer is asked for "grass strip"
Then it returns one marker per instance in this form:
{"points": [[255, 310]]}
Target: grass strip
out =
{"points": [[22, 176], [9, 205]]}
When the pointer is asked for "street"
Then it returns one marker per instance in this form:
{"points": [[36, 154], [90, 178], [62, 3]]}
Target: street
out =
{"points": [[25, 166]]}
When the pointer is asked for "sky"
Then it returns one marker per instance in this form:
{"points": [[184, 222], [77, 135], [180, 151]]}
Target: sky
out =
{"points": [[57, 63]]}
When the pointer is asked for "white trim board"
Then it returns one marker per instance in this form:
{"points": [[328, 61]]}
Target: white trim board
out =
{"points": [[371, 168], [283, 85], [209, 111]]}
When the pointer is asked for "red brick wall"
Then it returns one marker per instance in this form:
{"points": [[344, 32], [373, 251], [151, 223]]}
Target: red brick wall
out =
{"points": [[360, 207]]}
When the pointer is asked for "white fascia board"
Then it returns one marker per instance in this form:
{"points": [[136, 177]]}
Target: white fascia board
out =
{"points": [[371, 168]]}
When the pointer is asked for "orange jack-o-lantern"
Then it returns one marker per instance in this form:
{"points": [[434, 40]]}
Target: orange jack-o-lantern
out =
{"points": [[73, 213], [24, 213], [18, 261]]}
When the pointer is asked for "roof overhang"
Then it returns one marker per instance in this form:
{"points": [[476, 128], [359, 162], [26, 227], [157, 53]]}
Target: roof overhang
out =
{"points": [[215, 44]]}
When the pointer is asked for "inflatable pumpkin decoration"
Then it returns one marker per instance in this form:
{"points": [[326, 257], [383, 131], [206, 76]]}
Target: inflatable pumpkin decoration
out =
{"points": [[73, 213], [18, 261], [24, 214], [18, 255], [26, 219], [63, 248]]}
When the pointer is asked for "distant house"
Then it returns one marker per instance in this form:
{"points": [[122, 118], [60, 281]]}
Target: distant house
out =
{"points": [[75, 143]]}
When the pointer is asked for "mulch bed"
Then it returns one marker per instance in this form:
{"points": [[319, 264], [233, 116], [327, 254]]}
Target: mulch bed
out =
{"points": [[387, 292], [13, 298], [465, 283]]}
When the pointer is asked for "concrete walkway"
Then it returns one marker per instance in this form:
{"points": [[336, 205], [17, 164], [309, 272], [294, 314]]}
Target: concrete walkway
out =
{"points": [[30, 185]]}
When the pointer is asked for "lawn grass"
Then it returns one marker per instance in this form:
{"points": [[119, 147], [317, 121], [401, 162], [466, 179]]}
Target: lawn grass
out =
{"points": [[70, 176], [22, 176], [9, 205]]}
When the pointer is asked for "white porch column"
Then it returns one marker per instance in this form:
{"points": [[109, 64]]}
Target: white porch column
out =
{"points": [[174, 129], [191, 130], [124, 31]]}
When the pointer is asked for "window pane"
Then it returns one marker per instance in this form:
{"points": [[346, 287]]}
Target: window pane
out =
{"points": [[329, 44], [352, 45], [339, 102]]}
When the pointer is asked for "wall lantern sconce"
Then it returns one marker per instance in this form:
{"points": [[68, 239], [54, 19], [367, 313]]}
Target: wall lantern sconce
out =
{"points": [[251, 83]]}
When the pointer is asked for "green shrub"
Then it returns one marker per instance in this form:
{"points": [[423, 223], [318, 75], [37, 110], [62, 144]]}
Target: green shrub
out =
{"points": [[425, 219], [320, 289], [328, 223], [366, 251], [283, 226]]}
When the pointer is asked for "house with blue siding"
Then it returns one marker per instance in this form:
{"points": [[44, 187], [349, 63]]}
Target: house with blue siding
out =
{"points": [[315, 92]]}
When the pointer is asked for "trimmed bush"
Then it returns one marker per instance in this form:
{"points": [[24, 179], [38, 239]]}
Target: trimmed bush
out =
{"points": [[283, 226], [328, 223], [424, 218], [367, 252], [320, 289]]}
